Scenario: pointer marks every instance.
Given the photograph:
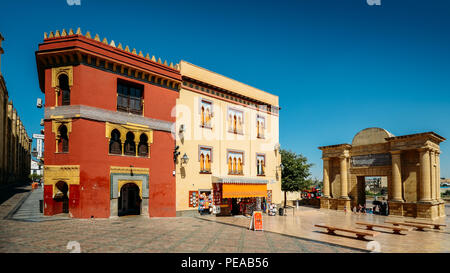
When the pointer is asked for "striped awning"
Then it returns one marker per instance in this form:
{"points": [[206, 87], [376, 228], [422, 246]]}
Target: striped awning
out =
{"points": [[238, 180]]}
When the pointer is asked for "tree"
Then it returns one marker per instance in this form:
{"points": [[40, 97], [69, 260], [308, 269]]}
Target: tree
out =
{"points": [[295, 172]]}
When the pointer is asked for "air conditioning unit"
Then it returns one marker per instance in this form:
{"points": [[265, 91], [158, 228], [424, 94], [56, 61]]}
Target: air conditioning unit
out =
{"points": [[39, 103]]}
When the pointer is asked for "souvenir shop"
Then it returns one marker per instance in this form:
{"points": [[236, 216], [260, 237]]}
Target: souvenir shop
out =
{"points": [[240, 198]]}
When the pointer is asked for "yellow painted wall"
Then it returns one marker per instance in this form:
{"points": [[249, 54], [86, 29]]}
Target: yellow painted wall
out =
{"points": [[188, 177]]}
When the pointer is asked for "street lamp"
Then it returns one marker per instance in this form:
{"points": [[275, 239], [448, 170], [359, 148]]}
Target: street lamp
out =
{"points": [[184, 159]]}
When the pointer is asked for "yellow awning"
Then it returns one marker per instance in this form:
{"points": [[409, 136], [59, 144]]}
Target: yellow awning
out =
{"points": [[244, 190]]}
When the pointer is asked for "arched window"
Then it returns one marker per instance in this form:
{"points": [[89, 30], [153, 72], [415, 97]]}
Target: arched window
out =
{"points": [[239, 170], [203, 116], [143, 145], [202, 163], [234, 165], [130, 146], [230, 167], [208, 163], [63, 143], [115, 145], [64, 89], [234, 124]]}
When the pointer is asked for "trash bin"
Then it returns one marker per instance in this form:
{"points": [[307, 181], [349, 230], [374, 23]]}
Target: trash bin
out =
{"points": [[41, 206], [281, 211]]}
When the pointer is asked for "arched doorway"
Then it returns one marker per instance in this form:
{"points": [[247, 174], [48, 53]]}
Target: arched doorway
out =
{"points": [[129, 200], [62, 196]]}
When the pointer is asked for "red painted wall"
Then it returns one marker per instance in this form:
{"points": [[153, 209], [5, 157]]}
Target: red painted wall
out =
{"points": [[88, 146]]}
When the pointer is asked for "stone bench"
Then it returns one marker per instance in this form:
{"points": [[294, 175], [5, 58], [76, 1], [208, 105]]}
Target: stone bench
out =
{"points": [[359, 233], [395, 229], [417, 226], [436, 225]]}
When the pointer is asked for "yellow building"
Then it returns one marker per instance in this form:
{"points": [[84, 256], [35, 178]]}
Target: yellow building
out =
{"points": [[15, 145], [228, 139]]}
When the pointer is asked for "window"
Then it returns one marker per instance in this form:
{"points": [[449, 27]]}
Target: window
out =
{"points": [[205, 158], [260, 126], [129, 97], [63, 141], [130, 146], [235, 162], [260, 164], [235, 121], [64, 89], [205, 113], [143, 145], [115, 145]]}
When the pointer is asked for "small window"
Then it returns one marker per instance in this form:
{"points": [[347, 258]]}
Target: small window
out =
{"points": [[64, 89], [260, 126], [130, 146], [235, 121], [129, 97], [235, 163], [115, 145], [205, 113], [143, 145], [260, 164], [63, 143], [205, 157]]}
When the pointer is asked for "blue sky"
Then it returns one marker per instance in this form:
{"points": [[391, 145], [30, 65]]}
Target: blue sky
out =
{"points": [[338, 66]]}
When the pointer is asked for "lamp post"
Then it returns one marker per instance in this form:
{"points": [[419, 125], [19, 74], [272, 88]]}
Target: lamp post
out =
{"points": [[184, 159]]}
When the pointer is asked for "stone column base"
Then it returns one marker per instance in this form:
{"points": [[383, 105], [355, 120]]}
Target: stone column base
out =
{"points": [[325, 203], [395, 208], [441, 208], [427, 210], [344, 204]]}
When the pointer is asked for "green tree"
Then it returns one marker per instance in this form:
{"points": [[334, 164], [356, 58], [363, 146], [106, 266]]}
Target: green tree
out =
{"points": [[295, 172]]}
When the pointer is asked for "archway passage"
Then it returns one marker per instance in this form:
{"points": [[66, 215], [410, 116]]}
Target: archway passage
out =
{"points": [[372, 194], [129, 200], [62, 197]]}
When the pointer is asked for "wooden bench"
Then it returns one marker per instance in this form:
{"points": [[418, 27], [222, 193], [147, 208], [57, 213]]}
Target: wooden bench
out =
{"points": [[359, 233], [395, 229], [417, 226], [436, 225]]}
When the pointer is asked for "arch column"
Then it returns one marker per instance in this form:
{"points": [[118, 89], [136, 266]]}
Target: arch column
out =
{"points": [[326, 177], [344, 179], [433, 176], [438, 176], [396, 176], [425, 183]]}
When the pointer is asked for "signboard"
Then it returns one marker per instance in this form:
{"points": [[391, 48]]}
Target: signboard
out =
{"points": [[371, 160], [256, 223], [38, 136]]}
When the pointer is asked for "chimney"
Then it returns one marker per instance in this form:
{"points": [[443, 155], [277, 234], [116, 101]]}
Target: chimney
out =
{"points": [[1, 52]]}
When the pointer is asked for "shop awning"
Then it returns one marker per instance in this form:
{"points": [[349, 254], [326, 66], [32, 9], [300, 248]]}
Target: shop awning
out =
{"points": [[244, 190]]}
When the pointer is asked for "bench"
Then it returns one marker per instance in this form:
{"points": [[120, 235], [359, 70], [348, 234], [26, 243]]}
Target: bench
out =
{"points": [[436, 225], [359, 233], [417, 226], [395, 229]]}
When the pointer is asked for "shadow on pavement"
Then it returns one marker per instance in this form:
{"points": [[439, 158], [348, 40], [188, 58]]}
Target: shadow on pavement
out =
{"points": [[292, 236], [9, 191]]}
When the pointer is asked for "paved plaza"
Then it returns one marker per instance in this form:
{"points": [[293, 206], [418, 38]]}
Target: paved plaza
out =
{"points": [[27, 230]]}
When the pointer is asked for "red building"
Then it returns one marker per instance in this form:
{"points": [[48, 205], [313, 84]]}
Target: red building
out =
{"points": [[108, 128]]}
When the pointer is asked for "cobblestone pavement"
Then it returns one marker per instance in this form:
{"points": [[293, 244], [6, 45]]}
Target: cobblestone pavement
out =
{"points": [[205, 234], [142, 234]]}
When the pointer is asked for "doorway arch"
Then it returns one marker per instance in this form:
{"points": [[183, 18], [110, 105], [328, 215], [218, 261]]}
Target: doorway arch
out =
{"points": [[62, 197], [130, 201]]}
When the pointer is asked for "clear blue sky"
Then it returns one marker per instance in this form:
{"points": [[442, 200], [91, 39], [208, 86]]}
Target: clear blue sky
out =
{"points": [[338, 66]]}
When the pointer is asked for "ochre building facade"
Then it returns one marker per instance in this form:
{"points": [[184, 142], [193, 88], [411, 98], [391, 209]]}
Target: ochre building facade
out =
{"points": [[15, 144], [229, 132], [411, 164]]}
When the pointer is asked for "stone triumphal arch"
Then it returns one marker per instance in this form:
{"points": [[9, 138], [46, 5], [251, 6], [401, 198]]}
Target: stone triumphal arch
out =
{"points": [[410, 163]]}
